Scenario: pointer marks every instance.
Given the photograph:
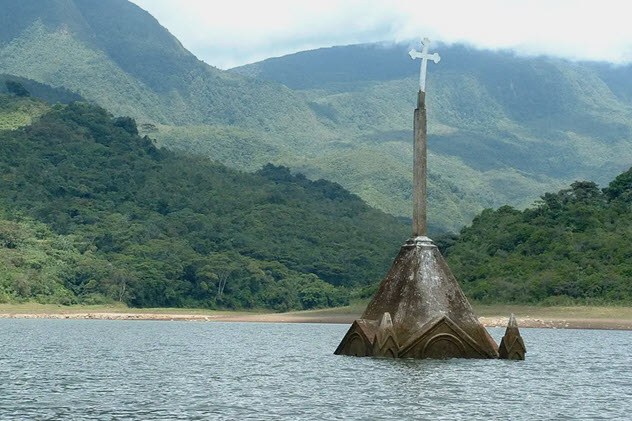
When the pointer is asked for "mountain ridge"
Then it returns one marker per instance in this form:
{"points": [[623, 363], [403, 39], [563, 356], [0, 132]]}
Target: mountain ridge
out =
{"points": [[119, 55]]}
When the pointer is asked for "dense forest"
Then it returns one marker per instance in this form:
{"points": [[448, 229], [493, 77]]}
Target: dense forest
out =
{"points": [[92, 212], [575, 246]]}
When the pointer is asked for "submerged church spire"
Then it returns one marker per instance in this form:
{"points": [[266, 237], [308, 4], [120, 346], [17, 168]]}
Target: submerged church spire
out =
{"points": [[419, 309]]}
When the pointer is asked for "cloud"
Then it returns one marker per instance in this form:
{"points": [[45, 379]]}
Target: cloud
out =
{"points": [[230, 33]]}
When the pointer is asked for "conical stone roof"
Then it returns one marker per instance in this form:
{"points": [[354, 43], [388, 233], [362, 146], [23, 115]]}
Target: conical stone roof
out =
{"points": [[431, 317]]}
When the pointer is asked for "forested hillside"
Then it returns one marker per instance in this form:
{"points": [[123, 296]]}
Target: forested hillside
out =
{"points": [[118, 55], [503, 128], [573, 247], [16, 107], [92, 212], [41, 91]]}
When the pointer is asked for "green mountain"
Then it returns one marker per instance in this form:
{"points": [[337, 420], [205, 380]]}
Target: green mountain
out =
{"points": [[503, 128], [574, 246], [92, 212], [118, 55]]}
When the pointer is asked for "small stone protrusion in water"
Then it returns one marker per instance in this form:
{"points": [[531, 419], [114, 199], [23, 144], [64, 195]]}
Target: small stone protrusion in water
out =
{"points": [[512, 346]]}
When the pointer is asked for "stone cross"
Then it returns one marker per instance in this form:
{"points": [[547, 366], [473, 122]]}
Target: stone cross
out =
{"points": [[420, 169], [424, 56]]}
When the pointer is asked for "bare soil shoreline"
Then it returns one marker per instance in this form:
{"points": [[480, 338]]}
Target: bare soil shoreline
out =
{"points": [[611, 318]]}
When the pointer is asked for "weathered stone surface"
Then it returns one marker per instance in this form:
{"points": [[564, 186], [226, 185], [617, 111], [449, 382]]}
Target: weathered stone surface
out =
{"points": [[385, 343], [420, 168], [512, 346], [428, 314], [442, 338], [359, 339]]}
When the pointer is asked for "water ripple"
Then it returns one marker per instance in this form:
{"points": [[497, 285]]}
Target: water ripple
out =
{"points": [[143, 370]]}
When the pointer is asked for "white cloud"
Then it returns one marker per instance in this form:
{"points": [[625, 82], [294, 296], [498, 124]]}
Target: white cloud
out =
{"points": [[229, 33]]}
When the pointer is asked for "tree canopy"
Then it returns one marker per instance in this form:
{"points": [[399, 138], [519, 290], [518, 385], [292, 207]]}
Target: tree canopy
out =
{"points": [[155, 228], [16, 88], [574, 246], [91, 212]]}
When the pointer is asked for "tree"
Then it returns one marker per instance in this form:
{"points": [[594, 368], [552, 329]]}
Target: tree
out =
{"points": [[17, 89], [126, 123]]}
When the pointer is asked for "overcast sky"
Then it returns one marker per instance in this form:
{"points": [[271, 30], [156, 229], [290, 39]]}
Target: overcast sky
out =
{"points": [[228, 33]]}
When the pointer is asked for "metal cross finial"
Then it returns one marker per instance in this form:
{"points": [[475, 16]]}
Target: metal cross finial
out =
{"points": [[424, 56]]}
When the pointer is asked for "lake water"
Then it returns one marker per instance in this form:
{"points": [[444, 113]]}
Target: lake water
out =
{"points": [[142, 370]]}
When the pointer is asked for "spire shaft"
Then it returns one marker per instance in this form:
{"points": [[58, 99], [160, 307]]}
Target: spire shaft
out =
{"points": [[420, 169]]}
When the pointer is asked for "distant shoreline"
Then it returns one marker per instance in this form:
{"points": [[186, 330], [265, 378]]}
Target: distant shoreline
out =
{"points": [[610, 318]]}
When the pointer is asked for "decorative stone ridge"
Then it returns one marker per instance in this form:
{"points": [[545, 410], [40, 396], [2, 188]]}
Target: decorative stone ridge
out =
{"points": [[512, 346], [442, 339], [419, 311], [359, 339], [385, 342]]}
